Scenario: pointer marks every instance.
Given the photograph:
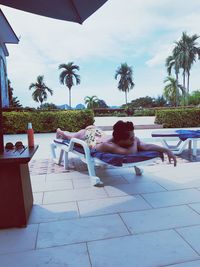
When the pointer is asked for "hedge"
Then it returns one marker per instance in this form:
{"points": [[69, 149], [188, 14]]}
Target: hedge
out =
{"points": [[144, 112], [46, 121], [178, 118], [98, 112]]}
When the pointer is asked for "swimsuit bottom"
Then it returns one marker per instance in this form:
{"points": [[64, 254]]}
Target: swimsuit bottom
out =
{"points": [[93, 136]]}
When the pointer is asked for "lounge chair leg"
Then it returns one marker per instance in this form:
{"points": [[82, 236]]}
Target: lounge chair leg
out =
{"points": [[138, 171], [66, 161], [53, 152], [194, 148], [53, 147], [95, 181], [60, 157]]}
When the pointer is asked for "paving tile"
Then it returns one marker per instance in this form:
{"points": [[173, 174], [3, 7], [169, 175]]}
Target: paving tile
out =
{"points": [[51, 185], [113, 180], [38, 178], [179, 184], [168, 170], [112, 171], [38, 198], [112, 205], [172, 198], [18, 239], [196, 207], [70, 256], [80, 230], [191, 235], [59, 176], [73, 195], [182, 171], [65, 176], [179, 179], [109, 180], [132, 178], [53, 212], [130, 189], [160, 219], [81, 183], [186, 264], [143, 250]]}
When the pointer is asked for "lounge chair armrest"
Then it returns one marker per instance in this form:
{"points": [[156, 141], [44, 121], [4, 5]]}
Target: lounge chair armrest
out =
{"points": [[74, 141]]}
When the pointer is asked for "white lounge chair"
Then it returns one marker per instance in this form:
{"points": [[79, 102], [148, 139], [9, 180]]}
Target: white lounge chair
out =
{"points": [[184, 138], [81, 149]]}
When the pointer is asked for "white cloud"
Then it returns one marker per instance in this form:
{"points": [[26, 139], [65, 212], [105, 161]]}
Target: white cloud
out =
{"points": [[160, 56], [139, 32]]}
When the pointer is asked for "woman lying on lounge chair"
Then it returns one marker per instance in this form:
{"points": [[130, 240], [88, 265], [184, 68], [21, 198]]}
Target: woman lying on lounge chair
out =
{"points": [[123, 140]]}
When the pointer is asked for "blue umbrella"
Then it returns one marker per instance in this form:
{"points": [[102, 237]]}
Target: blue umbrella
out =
{"points": [[70, 10]]}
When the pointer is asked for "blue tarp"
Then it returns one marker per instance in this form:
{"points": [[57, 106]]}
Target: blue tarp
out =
{"points": [[185, 134], [117, 159]]}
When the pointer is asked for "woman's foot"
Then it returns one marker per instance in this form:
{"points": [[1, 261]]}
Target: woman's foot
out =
{"points": [[59, 134]]}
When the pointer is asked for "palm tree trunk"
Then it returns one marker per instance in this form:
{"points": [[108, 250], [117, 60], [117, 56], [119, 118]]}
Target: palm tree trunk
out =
{"points": [[188, 82], [177, 91], [70, 98], [126, 97], [184, 98]]}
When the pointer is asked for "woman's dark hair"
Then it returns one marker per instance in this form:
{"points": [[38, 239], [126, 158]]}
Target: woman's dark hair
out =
{"points": [[121, 130]]}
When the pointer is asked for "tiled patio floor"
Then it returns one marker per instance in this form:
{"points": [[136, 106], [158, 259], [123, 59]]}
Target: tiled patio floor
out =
{"points": [[152, 220]]}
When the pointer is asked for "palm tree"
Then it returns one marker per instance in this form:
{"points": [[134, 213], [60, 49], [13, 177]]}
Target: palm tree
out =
{"points": [[186, 52], [13, 101], [68, 75], [91, 101], [126, 78], [171, 91], [171, 62], [174, 62], [40, 90]]}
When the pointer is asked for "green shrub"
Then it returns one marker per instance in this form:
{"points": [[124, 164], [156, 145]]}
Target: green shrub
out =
{"points": [[99, 112], [47, 121], [144, 112], [178, 118]]}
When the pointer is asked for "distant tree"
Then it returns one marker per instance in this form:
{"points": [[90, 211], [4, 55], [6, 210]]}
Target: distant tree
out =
{"points": [[145, 102], [91, 101], [125, 83], [48, 106], [194, 98], [160, 101], [40, 90], [13, 101], [68, 75], [102, 104]]}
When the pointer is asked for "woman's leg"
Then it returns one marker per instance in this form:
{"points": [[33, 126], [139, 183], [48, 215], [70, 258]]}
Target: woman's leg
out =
{"points": [[68, 135]]}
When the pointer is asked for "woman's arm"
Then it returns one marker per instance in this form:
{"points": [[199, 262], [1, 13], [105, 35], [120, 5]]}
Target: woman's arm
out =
{"points": [[146, 147], [115, 149]]}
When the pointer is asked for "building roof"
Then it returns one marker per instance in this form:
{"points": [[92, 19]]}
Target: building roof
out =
{"points": [[7, 35]]}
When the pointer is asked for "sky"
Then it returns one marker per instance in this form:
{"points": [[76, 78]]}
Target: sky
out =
{"points": [[140, 32]]}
